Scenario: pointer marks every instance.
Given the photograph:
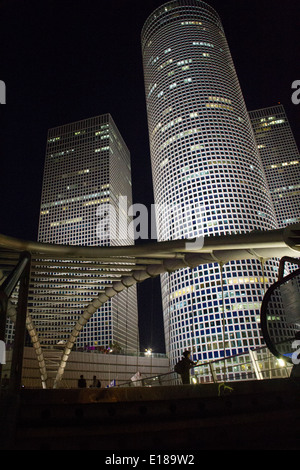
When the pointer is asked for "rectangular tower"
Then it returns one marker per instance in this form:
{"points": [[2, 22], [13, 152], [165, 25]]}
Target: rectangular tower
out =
{"points": [[281, 161], [87, 172]]}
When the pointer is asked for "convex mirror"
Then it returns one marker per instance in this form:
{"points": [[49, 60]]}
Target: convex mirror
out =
{"points": [[280, 314]]}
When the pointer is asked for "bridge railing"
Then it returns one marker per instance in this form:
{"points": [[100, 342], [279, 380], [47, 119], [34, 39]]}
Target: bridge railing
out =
{"points": [[259, 364]]}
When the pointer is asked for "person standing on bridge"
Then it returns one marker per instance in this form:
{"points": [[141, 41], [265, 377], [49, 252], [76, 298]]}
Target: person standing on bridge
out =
{"points": [[183, 367], [96, 383], [81, 382]]}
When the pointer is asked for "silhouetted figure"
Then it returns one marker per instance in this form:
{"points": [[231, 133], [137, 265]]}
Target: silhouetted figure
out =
{"points": [[183, 367], [82, 382], [96, 383]]}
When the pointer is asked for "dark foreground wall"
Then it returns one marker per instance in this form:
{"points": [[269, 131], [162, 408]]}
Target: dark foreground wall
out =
{"points": [[247, 415]]}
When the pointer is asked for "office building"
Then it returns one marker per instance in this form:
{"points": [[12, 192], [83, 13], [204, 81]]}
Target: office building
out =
{"points": [[87, 181], [208, 179], [280, 159]]}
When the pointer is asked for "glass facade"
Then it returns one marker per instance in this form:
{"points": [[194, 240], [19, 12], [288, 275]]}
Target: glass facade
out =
{"points": [[207, 175], [87, 169], [281, 161]]}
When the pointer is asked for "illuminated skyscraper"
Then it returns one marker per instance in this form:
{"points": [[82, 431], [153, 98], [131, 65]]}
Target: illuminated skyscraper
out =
{"points": [[87, 171], [281, 161], [207, 172]]}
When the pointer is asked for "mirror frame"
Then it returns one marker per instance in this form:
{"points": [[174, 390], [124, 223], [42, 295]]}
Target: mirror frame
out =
{"points": [[263, 312]]}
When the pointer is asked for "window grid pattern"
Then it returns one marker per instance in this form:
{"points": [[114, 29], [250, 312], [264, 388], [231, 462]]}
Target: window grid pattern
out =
{"points": [[281, 161], [87, 166], [206, 171]]}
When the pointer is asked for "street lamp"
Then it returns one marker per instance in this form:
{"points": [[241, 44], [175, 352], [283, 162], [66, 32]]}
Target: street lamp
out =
{"points": [[148, 352]]}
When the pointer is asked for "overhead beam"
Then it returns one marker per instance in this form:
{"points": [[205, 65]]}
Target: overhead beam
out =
{"points": [[143, 262]]}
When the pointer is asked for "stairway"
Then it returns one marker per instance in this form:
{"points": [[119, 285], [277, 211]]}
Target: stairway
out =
{"points": [[52, 359]]}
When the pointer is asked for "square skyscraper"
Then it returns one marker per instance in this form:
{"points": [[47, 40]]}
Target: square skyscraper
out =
{"points": [[87, 172], [281, 161]]}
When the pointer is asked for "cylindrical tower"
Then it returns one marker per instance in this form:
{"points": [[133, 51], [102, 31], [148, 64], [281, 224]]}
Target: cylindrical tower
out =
{"points": [[207, 175]]}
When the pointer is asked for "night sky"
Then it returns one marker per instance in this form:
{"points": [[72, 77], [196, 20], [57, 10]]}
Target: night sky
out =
{"points": [[63, 61]]}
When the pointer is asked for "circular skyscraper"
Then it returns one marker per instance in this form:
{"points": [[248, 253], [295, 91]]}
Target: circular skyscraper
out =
{"points": [[207, 175]]}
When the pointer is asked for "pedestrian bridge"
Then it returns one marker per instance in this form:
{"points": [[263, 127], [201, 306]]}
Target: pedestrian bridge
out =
{"points": [[202, 416], [28, 265]]}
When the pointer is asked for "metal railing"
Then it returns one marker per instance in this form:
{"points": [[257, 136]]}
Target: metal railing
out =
{"points": [[259, 364]]}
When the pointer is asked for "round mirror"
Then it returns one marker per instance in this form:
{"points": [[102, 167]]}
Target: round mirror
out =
{"points": [[280, 317]]}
